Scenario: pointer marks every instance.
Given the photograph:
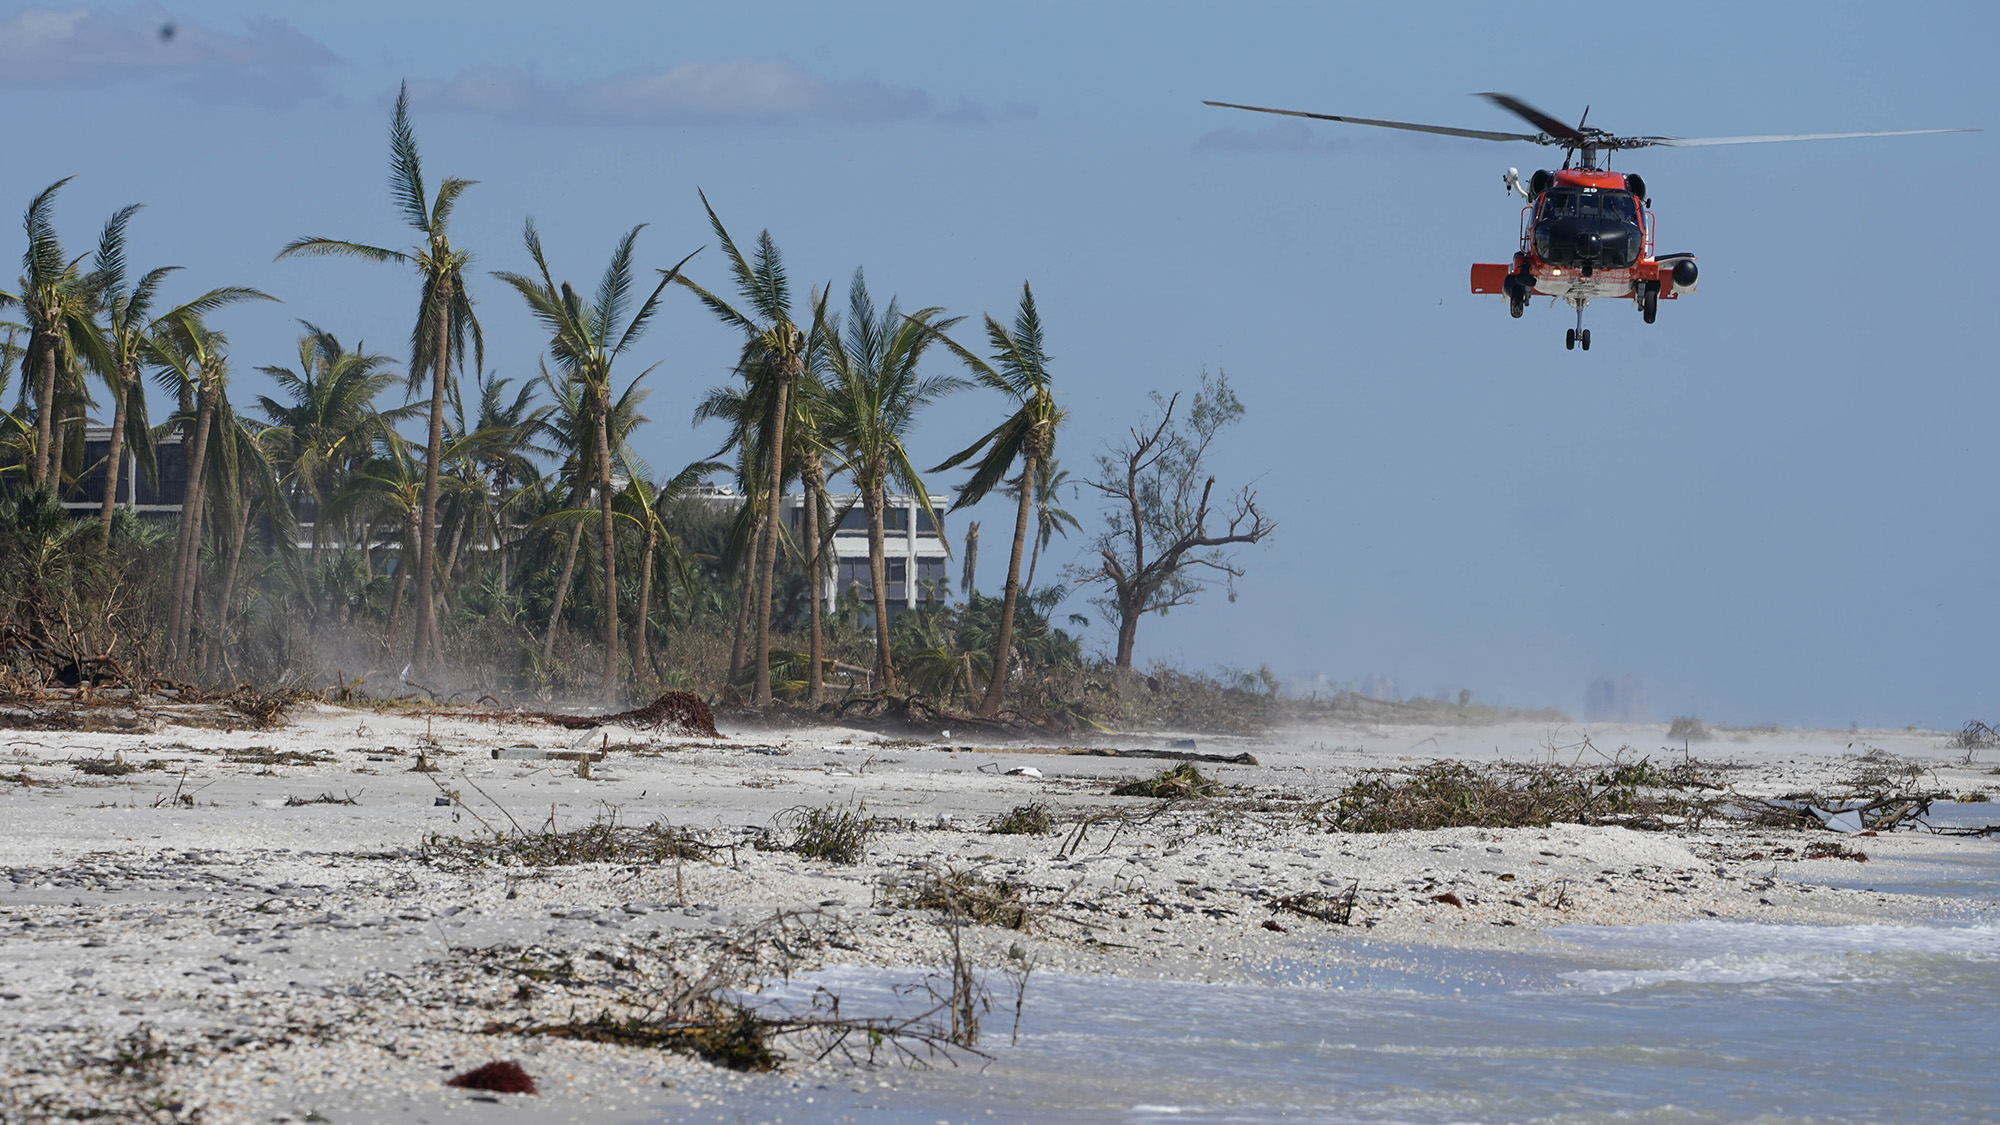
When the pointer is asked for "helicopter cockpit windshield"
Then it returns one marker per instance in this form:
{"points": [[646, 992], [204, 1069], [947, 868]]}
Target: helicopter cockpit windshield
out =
{"points": [[1587, 228], [1558, 203]]}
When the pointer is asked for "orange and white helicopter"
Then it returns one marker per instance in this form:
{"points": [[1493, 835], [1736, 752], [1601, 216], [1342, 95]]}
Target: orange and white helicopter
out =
{"points": [[1586, 232]]}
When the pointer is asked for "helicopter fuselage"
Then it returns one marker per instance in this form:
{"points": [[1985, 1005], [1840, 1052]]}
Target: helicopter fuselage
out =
{"points": [[1587, 234]]}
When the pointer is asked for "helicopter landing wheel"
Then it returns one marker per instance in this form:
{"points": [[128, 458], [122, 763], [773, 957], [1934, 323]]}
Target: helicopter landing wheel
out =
{"points": [[1649, 306], [1583, 338], [1516, 308], [1569, 338]]}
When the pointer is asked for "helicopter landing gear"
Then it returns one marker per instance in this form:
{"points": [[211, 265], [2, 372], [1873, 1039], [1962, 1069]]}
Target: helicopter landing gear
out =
{"points": [[1649, 301], [1577, 335], [1515, 307]]}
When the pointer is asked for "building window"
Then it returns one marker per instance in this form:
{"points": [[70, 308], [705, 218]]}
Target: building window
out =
{"points": [[853, 574]]}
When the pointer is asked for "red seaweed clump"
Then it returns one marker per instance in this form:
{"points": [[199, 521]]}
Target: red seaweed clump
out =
{"points": [[499, 1077]]}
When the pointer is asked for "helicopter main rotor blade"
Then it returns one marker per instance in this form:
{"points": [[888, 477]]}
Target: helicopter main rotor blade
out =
{"points": [[1536, 117], [1444, 130], [1699, 142]]}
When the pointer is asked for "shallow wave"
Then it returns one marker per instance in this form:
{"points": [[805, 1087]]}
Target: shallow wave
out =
{"points": [[1750, 953], [1751, 938]]}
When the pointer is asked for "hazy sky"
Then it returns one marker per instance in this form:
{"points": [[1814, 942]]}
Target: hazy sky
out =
{"points": [[1775, 504]]}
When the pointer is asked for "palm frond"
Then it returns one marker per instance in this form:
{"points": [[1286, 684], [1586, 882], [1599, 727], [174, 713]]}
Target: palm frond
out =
{"points": [[109, 265], [447, 198], [406, 167], [43, 259], [339, 248]]}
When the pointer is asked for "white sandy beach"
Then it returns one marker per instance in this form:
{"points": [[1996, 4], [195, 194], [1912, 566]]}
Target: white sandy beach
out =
{"points": [[318, 962]]}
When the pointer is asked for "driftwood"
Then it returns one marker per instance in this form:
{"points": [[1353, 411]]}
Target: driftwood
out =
{"points": [[1243, 759], [682, 710]]}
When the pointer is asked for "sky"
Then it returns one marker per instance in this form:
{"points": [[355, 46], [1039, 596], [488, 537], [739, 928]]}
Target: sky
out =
{"points": [[1773, 505]]}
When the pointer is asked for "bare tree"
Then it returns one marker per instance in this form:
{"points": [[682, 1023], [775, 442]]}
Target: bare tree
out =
{"points": [[1157, 550]]}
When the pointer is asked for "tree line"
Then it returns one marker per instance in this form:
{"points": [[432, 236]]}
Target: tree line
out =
{"points": [[482, 527]]}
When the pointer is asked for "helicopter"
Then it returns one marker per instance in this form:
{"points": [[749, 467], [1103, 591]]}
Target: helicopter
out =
{"points": [[1586, 232]]}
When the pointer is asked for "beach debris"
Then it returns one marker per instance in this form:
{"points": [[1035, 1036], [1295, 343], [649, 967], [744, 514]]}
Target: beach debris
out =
{"points": [[1974, 736], [603, 840], [1243, 759], [705, 1011], [1827, 849], [1032, 819], [834, 833], [537, 754], [1336, 909], [1272, 924], [115, 766], [965, 895], [1449, 794], [1449, 899], [345, 798], [1024, 771], [683, 711], [505, 1077], [1686, 729], [1179, 783]]}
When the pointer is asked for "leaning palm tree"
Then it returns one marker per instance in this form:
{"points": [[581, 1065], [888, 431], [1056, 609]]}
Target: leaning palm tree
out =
{"points": [[59, 301], [874, 393], [774, 357], [437, 340], [129, 325], [1019, 370], [585, 339]]}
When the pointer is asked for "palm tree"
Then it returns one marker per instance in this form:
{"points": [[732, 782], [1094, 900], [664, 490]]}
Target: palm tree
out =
{"points": [[128, 330], [437, 340], [813, 447], [489, 456], [1051, 518], [774, 355], [16, 433], [238, 477], [571, 427], [60, 303], [1019, 370], [645, 501], [874, 393], [193, 359], [585, 340], [387, 496], [329, 427]]}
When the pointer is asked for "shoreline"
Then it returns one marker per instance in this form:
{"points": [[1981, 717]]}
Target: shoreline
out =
{"points": [[183, 934]]}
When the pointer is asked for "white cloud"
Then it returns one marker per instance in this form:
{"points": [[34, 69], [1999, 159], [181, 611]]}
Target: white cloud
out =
{"points": [[730, 91], [268, 62]]}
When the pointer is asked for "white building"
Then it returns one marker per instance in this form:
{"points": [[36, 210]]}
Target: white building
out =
{"points": [[915, 555], [915, 561]]}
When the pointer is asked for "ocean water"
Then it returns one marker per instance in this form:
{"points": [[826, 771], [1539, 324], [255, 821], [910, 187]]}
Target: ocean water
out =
{"points": [[1688, 1022]]}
